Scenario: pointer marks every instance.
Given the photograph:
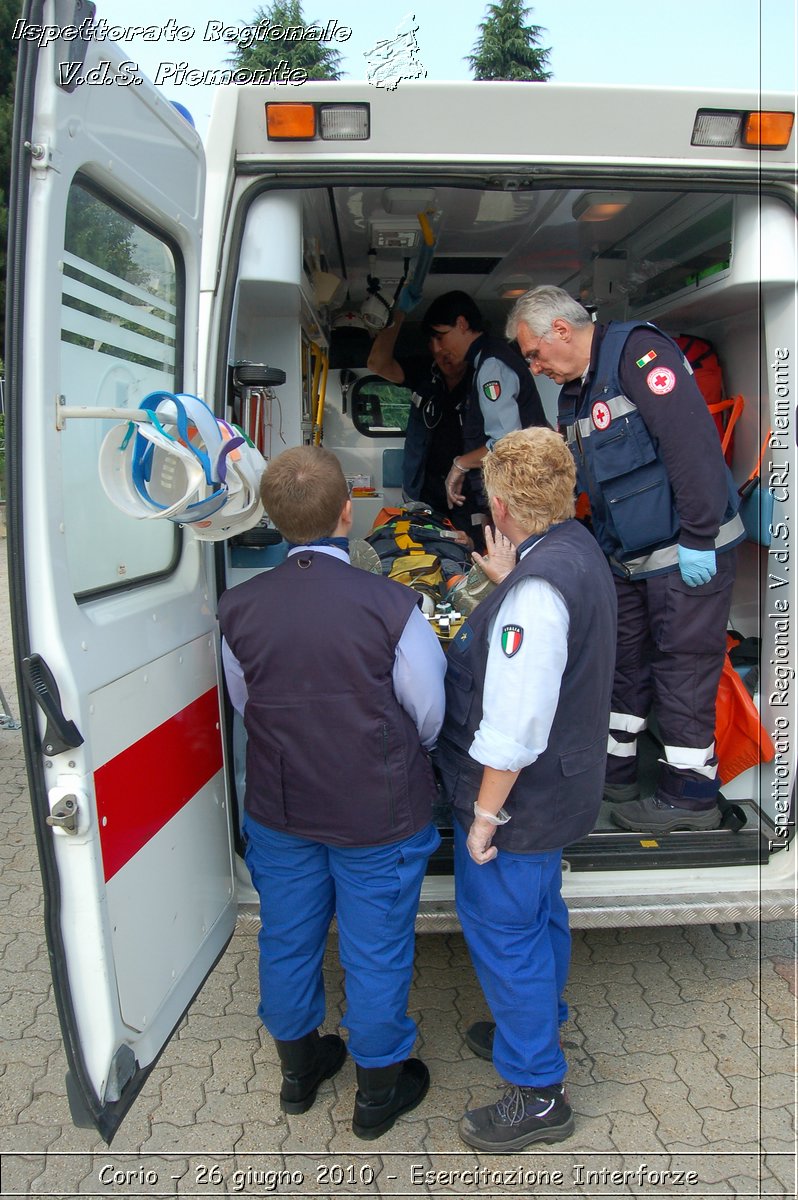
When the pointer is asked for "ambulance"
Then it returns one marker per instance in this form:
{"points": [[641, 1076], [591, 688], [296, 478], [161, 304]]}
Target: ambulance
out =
{"points": [[251, 271]]}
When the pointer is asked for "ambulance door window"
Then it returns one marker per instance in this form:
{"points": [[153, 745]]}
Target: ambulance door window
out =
{"points": [[120, 329], [380, 408]]}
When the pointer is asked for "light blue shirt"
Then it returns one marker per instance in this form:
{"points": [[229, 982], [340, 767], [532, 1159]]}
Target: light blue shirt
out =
{"points": [[499, 416], [418, 670]]}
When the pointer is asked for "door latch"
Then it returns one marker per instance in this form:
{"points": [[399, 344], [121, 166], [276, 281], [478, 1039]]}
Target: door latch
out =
{"points": [[60, 734], [65, 814]]}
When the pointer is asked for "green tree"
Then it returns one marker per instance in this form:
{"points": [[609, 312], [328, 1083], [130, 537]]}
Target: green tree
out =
{"points": [[99, 234], [9, 13], [507, 48], [319, 59]]}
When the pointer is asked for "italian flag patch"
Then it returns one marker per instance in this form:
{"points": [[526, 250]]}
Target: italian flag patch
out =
{"points": [[492, 390], [647, 358], [512, 637]]}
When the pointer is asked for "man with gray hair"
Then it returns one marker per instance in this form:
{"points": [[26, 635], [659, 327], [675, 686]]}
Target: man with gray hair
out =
{"points": [[664, 510]]}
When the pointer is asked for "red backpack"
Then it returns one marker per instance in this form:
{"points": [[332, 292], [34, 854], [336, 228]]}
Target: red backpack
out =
{"points": [[705, 363]]}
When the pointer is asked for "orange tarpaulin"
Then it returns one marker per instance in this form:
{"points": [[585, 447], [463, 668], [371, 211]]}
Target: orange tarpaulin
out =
{"points": [[741, 741]]}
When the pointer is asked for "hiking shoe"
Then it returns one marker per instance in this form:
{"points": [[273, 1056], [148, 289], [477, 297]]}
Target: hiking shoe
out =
{"points": [[479, 1038], [522, 1116], [656, 816], [621, 793]]}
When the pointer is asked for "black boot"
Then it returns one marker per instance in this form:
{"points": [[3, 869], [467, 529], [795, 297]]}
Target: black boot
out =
{"points": [[479, 1038], [306, 1062], [384, 1093]]}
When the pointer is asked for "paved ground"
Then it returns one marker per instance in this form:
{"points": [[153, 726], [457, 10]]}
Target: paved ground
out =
{"points": [[681, 1050]]}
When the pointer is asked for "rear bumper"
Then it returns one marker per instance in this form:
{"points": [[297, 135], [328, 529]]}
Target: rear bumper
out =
{"points": [[438, 916]]}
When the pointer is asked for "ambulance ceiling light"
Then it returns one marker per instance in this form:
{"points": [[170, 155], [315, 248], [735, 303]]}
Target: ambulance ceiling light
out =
{"points": [[513, 286], [406, 202], [600, 206]]}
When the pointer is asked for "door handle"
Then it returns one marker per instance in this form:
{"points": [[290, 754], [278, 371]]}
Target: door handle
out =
{"points": [[60, 733]]}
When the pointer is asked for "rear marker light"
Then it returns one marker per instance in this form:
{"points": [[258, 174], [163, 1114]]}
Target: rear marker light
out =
{"points": [[307, 122], [753, 130], [339, 123], [768, 130], [292, 122], [716, 128]]}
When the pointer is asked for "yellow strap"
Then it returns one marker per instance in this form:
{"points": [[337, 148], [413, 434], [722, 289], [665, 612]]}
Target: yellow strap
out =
{"points": [[403, 539]]}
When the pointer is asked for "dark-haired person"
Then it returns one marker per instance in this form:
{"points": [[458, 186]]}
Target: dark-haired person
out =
{"points": [[340, 682], [503, 395], [434, 436]]}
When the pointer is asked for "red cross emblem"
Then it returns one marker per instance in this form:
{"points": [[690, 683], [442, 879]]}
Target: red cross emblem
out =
{"points": [[661, 381], [600, 415]]}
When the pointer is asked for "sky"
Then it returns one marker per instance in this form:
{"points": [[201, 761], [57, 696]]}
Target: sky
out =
{"points": [[736, 43]]}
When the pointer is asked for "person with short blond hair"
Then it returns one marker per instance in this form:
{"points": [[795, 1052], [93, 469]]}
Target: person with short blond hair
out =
{"points": [[536, 470], [339, 679], [521, 758]]}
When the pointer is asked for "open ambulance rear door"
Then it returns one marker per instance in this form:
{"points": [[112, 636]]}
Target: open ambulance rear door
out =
{"points": [[113, 617]]}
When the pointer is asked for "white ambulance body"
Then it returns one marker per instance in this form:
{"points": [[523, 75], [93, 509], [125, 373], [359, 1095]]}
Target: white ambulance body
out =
{"points": [[140, 262]]}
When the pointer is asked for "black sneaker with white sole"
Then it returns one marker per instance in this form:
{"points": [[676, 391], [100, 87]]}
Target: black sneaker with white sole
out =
{"points": [[522, 1116]]}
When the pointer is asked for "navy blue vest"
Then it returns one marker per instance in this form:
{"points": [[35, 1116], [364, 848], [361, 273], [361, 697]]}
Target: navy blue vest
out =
{"points": [[556, 799], [331, 754], [620, 467]]}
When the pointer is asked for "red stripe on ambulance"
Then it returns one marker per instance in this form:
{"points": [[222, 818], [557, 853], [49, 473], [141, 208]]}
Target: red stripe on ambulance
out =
{"points": [[142, 788]]}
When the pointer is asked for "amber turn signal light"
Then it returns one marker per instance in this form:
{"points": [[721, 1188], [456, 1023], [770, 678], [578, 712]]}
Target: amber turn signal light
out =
{"points": [[767, 130], [296, 122]]}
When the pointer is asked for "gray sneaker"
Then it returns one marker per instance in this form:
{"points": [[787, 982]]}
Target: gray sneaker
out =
{"points": [[655, 816], [523, 1115]]}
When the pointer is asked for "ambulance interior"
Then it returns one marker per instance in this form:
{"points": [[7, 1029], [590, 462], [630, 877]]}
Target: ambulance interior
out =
{"points": [[716, 264]]}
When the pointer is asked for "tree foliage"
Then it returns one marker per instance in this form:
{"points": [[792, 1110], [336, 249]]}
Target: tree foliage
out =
{"points": [[318, 59], [99, 234], [508, 48], [9, 13]]}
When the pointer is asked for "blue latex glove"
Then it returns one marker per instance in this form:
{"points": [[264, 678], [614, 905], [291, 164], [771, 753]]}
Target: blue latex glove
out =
{"points": [[696, 566], [409, 297]]}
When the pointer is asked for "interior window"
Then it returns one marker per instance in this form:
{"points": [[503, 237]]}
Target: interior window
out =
{"points": [[380, 408], [121, 313]]}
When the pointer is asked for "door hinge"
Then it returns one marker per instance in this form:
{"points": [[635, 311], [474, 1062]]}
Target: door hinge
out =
{"points": [[41, 155]]}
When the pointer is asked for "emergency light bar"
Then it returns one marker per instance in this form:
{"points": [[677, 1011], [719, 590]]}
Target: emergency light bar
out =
{"points": [[756, 130], [286, 121]]}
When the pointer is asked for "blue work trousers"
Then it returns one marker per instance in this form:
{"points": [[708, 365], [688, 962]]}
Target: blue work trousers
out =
{"points": [[374, 892], [515, 923]]}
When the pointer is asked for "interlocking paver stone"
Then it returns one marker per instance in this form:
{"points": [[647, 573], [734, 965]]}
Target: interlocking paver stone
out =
{"points": [[679, 1049]]}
